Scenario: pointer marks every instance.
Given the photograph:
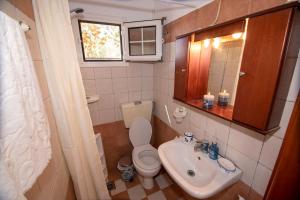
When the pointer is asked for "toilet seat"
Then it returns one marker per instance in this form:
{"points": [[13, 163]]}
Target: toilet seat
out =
{"points": [[146, 157]]}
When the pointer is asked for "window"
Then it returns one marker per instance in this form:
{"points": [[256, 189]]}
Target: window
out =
{"points": [[142, 41], [100, 41]]}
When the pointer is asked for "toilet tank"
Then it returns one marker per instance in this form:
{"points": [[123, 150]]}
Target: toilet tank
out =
{"points": [[136, 109]]}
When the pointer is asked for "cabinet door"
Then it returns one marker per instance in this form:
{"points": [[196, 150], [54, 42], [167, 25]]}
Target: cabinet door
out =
{"points": [[181, 67], [261, 65]]}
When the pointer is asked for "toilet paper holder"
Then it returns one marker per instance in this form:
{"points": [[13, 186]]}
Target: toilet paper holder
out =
{"points": [[179, 114]]}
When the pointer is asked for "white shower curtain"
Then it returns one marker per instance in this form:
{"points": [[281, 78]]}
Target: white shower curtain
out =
{"points": [[68, 98]]}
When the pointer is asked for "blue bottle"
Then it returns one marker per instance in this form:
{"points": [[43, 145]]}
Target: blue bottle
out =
{"points": [[213, 151]]}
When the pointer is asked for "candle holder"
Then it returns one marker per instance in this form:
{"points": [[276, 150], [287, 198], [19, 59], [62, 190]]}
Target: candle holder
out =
{"points": [[223, 98], [208, 101]]}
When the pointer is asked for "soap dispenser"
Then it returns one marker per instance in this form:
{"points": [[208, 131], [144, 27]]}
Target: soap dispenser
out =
{"points": [[213, 151]]}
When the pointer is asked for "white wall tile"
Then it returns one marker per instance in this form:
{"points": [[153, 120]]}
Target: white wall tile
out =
{"points": [[156, 84], [172, 70], [164, 71], [147, 83], [295, 84], [181, 128], [287, 112], [134, 70], [106, 101], [87, 73], [170, 87], [147, 70], [118, 114], [147, 95], [94, 106], [94, 117], [102, 72], [119, 72], [134, 84], [120, 85], [280, 133], [172, 51], [198, 120], [156, 69], [90, 87], [135, 96], [261, 179], [106, 116], [270, 151], [121, 98], [246, 141], [164, 86], [166, 52], [246, 164], [198, 133], [218, 128], [104, 86]]}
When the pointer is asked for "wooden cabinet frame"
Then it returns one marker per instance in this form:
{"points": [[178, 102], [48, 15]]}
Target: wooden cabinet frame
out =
{"points": [[277, 70]]}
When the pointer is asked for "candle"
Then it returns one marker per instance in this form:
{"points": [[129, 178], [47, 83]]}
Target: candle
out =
{"points": [[223, 98], [208, 100]]}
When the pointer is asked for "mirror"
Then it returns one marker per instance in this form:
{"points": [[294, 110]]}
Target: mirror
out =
{"points": [[207, 68], [224, 64], [224, 67]]}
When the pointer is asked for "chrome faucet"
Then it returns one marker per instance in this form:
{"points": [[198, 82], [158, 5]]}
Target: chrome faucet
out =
{"points": [[197, 146], [201, 145]]}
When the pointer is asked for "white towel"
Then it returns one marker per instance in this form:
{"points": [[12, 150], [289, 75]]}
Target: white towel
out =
{"points": [[25, 148]]}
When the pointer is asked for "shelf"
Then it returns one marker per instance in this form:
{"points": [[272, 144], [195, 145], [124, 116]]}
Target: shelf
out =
{"points": [[220, 111]]}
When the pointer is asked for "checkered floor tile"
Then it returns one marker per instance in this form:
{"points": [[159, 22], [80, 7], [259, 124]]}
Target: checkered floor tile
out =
{"points": [[163, 189]]}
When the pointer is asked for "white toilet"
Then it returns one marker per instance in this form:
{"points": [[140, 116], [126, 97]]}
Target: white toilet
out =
{"points": [[144, 156]]}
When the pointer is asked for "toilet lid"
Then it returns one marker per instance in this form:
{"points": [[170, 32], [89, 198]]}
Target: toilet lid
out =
{"points": [[140, 132]]}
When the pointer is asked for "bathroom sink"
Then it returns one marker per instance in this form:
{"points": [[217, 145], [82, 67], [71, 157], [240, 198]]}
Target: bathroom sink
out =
{"points": [[92, 98], [195, 172]]}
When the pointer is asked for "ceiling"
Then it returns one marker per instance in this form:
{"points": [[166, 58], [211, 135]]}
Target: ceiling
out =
{"points": [[148, 5]]}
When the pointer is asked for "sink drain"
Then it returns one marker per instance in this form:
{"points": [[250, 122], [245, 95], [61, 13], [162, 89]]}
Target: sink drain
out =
{"points": [[190, 172]]}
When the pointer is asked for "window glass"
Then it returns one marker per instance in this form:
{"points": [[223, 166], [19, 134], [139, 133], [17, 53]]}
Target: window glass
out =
{"points": [[100, 41]]}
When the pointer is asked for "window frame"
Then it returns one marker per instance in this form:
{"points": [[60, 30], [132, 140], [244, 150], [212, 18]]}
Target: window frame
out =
{"points": [[142, 39], [158, 38], [102, 23]]}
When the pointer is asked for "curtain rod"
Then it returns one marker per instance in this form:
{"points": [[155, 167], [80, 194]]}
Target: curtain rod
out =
{"points": [[162, 20]]}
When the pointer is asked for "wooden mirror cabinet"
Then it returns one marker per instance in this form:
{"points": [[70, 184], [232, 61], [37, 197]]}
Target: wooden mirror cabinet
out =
{"points": [[255, 68]]}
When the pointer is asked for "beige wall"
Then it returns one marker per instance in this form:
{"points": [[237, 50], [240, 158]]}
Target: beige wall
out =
{"points": [[55, 181]]}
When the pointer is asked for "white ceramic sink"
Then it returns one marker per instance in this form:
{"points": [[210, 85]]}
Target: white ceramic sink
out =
{"points": [[92, 98], [178, 157]]}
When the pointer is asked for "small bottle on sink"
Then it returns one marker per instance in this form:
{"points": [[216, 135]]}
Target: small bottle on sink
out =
{"points": [[213, 151]]}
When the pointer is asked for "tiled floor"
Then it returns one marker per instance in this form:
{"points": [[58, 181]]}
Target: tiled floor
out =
{"points": [[164, 189]]}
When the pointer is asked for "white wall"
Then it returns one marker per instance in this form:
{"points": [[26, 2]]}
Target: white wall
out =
{"points": [[254, 153], [111, 13], [116, 85], [174, 11], [114, 82]]}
